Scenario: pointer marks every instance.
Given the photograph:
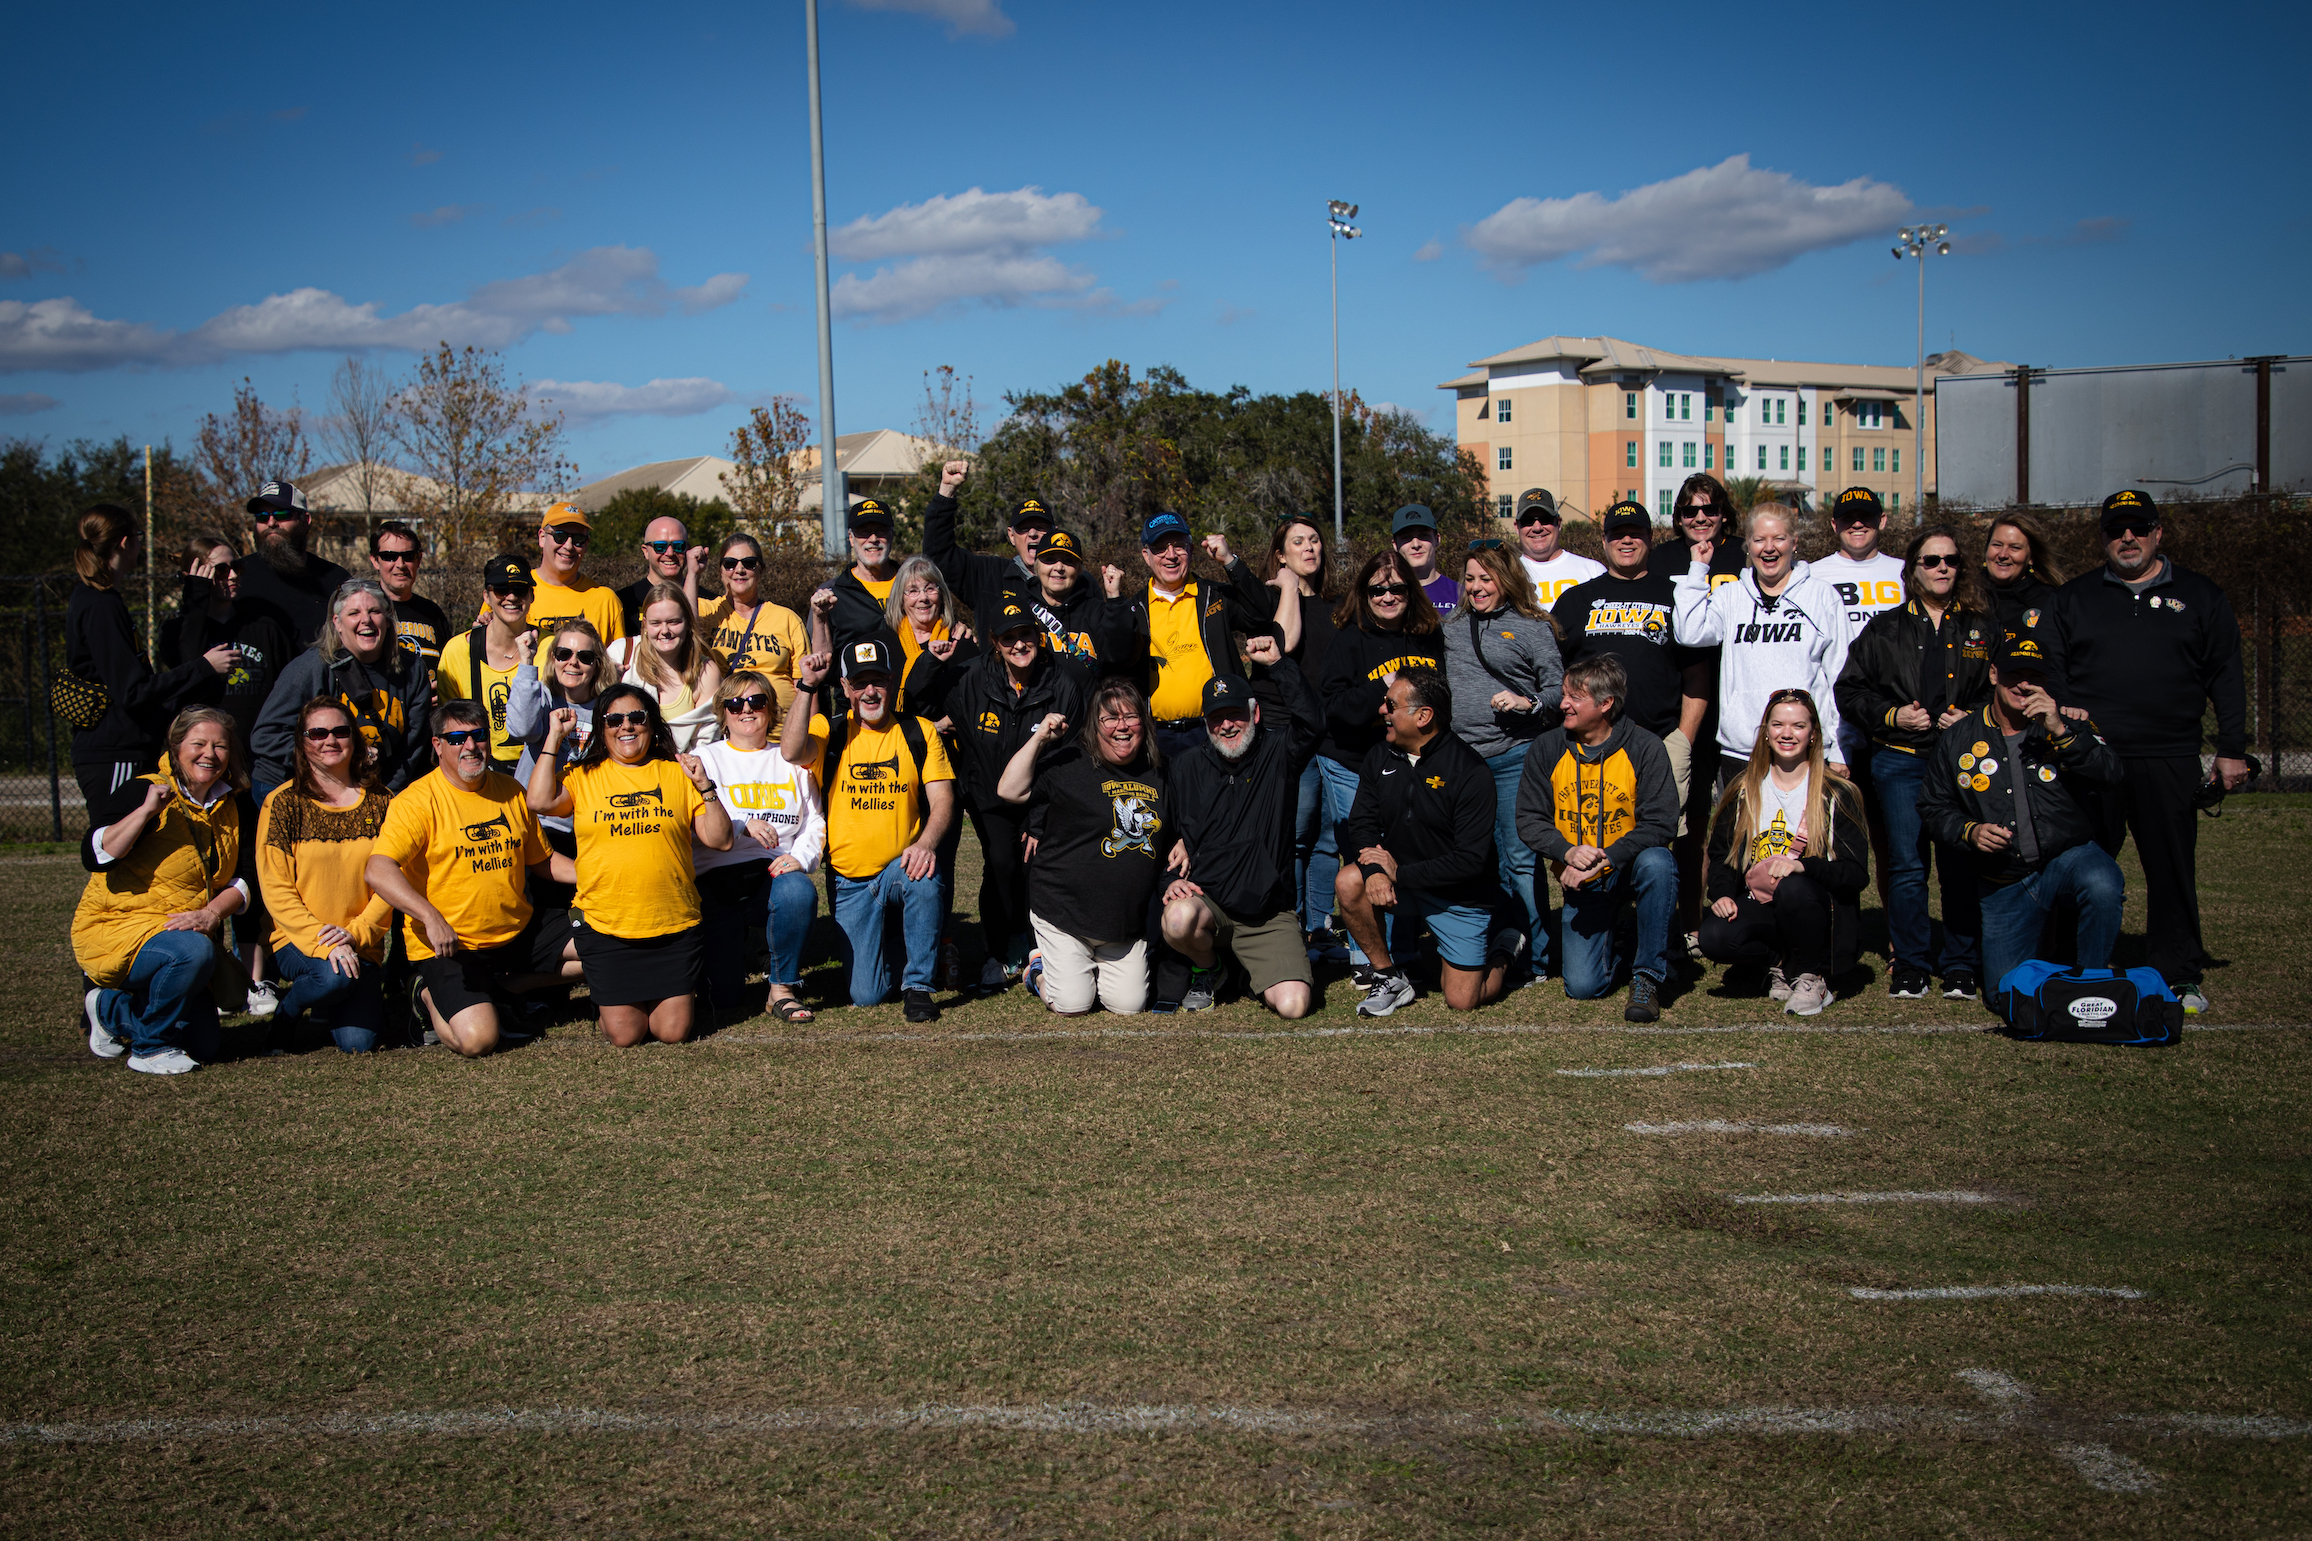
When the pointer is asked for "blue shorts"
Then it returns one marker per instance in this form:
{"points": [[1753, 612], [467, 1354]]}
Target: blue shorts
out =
{"points": [[1463, 932]]}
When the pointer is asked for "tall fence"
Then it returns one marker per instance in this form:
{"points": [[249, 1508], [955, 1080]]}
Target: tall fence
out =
{"points": [[38, 798]]}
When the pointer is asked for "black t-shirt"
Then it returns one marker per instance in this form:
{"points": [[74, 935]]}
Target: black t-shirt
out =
{"points": [[1101, 846], [1631, 619], [423, 626]]}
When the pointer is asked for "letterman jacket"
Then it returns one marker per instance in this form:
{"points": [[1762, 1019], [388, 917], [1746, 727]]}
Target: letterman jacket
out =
{"points": [[1970, 780]]}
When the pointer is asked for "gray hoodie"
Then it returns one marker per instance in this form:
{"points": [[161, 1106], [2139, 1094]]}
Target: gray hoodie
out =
{"points": [[391, 701], [1524, 651]]}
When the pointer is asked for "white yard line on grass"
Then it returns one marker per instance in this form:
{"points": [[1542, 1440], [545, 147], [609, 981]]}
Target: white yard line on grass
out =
{"points": [[1686, 1064], [2016, 1408], [1720, 1126], [1999, 1292], [1954, 1196], [736, 1036]]}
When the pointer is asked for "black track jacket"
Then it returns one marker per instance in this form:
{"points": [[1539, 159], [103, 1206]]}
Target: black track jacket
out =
{"points": [[1435, 817], [1236, 816], [992, 720], [2147, 665]]}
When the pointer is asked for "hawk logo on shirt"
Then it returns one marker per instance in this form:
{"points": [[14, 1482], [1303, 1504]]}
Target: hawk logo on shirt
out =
{"points": [[989, 722], [1135, 822], [637, 799]]}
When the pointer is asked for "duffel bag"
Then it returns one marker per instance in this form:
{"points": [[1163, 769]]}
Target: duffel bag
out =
{"points": [[2049, 1003]]}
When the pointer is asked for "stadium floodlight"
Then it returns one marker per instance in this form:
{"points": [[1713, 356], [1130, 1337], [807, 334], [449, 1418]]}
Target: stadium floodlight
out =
{"points": [[1919, 242], [1337, 217]]}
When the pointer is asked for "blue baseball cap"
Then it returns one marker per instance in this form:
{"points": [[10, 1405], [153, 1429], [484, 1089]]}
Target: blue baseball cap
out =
{"points": [[1161, 526], [1413, 516]]}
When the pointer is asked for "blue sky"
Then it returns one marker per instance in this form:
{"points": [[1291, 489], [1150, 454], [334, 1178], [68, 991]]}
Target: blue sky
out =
{"points": [[620, 197]]}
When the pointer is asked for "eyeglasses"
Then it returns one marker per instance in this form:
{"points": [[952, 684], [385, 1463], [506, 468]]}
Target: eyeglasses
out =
{"points": [[458, 737], [1384, 590], [757, 702], [1939, 560], [564, 535], [323, 735], [626, 719], [744, 564], [410, 557], [584, 655], [664, 547]]}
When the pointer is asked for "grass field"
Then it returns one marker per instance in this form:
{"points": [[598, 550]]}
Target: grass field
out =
{"points": [[1178, 1276]]}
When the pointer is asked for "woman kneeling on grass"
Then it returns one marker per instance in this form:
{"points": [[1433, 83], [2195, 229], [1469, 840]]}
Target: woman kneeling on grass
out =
{"points": [[1095, 866], [166, 866], [313, 842], [634, 805], [1787, 855], [763, 882]]}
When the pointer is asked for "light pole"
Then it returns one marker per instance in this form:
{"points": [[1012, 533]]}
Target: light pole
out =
{"points": [[831, 499], [1337, 217], [1917, 241]]}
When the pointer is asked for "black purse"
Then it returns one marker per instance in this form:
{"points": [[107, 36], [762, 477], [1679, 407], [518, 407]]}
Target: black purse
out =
{"points": [[79, 702], [1518, 725]]}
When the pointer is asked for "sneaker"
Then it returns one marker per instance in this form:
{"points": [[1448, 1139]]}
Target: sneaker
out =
{"points": [[919, 1007], [1909, 984], [1509, 944], [1960, 984], [1325, 945], [2195, 1000], [1694, 952], [993, 976], [1390, 990], [165, 1062], [1201, 984], [101, 1043], [263, 1001], [1033, 975], [1809, 993], [1645, 999], [949, 974], [1777, 987]]}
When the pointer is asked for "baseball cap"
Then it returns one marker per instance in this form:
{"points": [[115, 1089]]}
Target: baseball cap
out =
{"points": [[565, 513], [1162, 527], [867, 657], [1030, 508], [278, 498], [1626, 515], [1413, 516], [1226, 693], [1060, 543], [2022, 651], [1535, 503], [868, 511], [1011, 613], [1857, 503], [2128, 506], [505, 571]]}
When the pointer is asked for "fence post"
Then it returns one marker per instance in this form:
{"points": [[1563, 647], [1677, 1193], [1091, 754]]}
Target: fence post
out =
{"points": [[2023, 435], [48, 703]]}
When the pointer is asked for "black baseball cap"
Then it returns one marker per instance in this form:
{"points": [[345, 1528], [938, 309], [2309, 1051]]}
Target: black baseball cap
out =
{"points": [[1857, 505], [868, 511], [278, 498], [1626, 515], [2128, 506], [1413, 516], [867, 657], [1011, 613], [2022, 651], [505, 571], [1535, 505], [1031, 508], [1226, 693], [1060, 543]]}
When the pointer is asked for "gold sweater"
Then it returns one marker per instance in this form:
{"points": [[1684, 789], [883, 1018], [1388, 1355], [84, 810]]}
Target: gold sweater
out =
{"points": [[311, 860]]}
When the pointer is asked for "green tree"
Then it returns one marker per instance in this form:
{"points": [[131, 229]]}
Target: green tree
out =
{"points": [[618, 527], [43, 494]]}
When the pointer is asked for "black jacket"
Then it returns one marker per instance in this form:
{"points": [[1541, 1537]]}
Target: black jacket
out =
{"points": [[857, 614], [1843, 872], [299, 604], [2068, 779], [2010, 603], [1237, 605], [1435, 818], [1236, 816], [1075, 627], [1888, 668], [992, 720], [101, 644], [2146, 666], [265, 651], [979, 580], [1352, 685], [928, 681]]}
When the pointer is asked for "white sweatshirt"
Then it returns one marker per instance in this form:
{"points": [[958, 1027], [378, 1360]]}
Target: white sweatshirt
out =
{"points": [[1794, 640]]}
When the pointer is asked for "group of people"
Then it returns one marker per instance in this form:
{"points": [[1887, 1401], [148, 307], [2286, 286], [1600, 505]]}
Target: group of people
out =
{"points": [[1176, 783]]}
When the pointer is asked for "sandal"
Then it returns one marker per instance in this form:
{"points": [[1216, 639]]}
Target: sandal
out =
{"points": [[788, 1009]]}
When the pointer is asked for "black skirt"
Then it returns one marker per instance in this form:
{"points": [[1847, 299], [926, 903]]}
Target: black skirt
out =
{"points": [[623, 972]]}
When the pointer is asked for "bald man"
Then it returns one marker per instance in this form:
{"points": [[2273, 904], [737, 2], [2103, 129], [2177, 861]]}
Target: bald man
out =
{"points": [[668, 557]]}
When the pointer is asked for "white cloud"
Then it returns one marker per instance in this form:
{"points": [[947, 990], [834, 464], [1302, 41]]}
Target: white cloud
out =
{"points": [[973, 222], [924, 284], [1730, 220], [974, 245], [605, 281], [1430, 250], [26, 405], [585, 401], [984, 17]]}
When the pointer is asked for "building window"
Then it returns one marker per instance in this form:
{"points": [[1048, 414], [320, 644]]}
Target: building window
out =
{"points": [[1871, 414], [1878, 459], [1506, 505], [1895, 461], [1802, 411], [1802, 448], [1689, 456], [1663, 458], [1709, 454], [1662, 502], [1501, 410], [1761, 457], [1858, 458], [1502, 460], [1685, 408], [1786, 457], [1630, 455], [1630, 405], [1894, 502]]}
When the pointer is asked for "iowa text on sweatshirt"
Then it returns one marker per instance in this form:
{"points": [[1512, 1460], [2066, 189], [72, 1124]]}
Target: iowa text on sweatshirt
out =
{"points": [[1794, 640]]}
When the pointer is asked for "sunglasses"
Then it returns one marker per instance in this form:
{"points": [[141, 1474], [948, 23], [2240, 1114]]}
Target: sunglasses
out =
{"points": [[510, 591], [664, 547], [584, 655], [757, 702], [568, 537], [626, 719], [1939, 561], [1700, 511], [275, 516], [2135, 527], [459, 737], [743, 564], [323, 735], [1384, 590], [398, 557], [1487, 545]]}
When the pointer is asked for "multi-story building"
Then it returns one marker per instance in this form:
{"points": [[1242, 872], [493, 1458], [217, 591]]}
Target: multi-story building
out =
{"points": [[1595, 419]]}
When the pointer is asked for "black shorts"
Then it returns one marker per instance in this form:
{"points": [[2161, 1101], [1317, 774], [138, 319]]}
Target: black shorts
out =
{"points": [[641, 970], [474, 978]]}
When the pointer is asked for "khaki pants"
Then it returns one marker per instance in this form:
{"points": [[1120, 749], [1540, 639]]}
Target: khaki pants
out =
{"points": [[1681, 769], [1079, 972]]}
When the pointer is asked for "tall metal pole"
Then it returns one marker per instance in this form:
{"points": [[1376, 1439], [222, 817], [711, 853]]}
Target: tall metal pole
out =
{"points": [[832, 503], [1340, 539], [152, 613], [1919, 405]]}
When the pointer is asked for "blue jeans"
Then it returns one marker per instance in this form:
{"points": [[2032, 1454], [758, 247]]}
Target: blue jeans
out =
{"points": [[2016, 915], [353, 1008], [1340, 793], [1897, 777], [166, 1004], [794, 903], [1587, 921], [1514, 858], [860, 908], [1317, 859]]}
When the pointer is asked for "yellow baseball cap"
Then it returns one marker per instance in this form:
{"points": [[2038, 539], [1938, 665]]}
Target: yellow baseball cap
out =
{"points": [[565, 513]]}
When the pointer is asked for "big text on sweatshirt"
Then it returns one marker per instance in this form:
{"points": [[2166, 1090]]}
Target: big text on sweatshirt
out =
{"points": [[1795, 640]]}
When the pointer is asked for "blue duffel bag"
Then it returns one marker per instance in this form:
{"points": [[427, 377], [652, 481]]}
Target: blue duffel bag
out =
{"points": [[2048, 1003]]}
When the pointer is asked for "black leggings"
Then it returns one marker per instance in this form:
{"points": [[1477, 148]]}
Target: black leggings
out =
{"points": [[1795, 929], [1003, 878]]}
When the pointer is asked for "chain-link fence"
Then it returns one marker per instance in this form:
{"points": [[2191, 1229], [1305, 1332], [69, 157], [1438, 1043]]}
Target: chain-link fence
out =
{"points": [[38, 798]]}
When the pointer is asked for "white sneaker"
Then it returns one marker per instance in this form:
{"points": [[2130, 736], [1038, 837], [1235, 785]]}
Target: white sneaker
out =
{"points": [[1778, 985], [2193, 999], [166, 1062], [101, 1043], [1809, 993], [1388, 993], [263, 1002], [992, 976]]}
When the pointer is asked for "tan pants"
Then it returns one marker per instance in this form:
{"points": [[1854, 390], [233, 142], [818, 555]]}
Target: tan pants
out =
{"points": [[1079, 972], [1681, 769]]}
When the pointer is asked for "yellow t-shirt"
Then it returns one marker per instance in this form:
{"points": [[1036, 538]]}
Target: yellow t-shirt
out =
{"points": [[880, 588], [874, 800], [468, 853], [552, 604], [1176, 647], [633, 829], [453, 680], [773, 645]]}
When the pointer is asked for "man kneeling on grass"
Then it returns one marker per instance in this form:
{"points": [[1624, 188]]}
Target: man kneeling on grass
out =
{"points": [[455, 856], [1422, 830], [1599, 803], [1233, 798]]}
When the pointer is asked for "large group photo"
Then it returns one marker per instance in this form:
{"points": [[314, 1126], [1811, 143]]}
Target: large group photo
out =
{"points": [[1665, 943]]}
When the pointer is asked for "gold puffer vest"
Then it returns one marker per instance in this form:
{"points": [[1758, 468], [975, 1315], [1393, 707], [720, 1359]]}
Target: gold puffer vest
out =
{"points": [[186, 857]]}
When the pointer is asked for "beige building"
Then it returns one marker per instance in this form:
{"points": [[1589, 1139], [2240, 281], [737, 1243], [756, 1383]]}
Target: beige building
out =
{"points": [[1596, 419]]}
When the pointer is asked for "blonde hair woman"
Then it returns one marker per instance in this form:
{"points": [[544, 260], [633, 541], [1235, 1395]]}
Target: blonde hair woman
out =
{"points": [[672, 661]]}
